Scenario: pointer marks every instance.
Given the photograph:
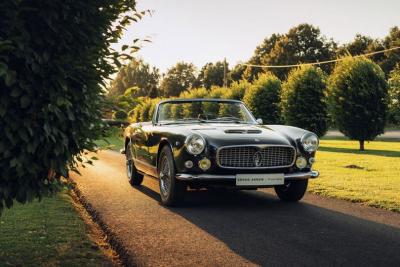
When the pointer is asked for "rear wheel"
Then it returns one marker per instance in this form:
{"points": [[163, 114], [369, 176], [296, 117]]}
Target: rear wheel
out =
{"points": [[292, 190], [171, 190], [134, 177]]}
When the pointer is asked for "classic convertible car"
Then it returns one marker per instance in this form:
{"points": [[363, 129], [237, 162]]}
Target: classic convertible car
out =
{"points": [[205, 143]]}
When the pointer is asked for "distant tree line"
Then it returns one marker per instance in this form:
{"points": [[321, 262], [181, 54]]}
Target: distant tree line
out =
{"points": [[357, 95]]}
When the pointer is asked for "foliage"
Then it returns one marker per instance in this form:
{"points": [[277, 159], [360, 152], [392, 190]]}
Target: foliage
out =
{"points": [[55, 57], [144, 110], [179, 78], [394, 96], [302, 44], [238, 89], [303, 101], [357, 94], [391, 58], [120, 115], [261, 51], [212, 74], [263, 98], [139, 75], [236, 73], [360, 45]]}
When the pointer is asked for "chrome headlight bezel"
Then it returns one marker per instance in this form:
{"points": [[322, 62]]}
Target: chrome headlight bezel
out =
{"points": [[309, 142], [192, 142]]}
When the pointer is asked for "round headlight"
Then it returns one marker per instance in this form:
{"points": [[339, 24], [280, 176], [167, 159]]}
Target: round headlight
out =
{"points": [[195, 144], [310, 142]]}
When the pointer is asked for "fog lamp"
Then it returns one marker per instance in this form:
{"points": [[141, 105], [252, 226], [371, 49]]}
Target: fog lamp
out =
{"points": [[311, 160], [204, 164], [189, 164], [301, 162]]}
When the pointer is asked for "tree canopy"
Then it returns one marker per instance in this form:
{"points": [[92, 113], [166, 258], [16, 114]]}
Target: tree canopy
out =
{"points": [[357, 97], [302, 44], [303, 99], [212, 74], [179, 78], [138, 74]]}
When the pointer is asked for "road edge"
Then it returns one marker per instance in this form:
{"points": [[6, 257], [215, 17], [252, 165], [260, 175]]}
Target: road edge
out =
{"points": [[111, 238]]}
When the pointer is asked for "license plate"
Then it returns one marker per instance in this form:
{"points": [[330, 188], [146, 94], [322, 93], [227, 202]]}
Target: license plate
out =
{"points": [[259, 179]]}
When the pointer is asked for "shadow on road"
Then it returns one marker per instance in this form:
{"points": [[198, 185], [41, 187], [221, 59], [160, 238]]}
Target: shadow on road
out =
{"points": [[266, 231]]}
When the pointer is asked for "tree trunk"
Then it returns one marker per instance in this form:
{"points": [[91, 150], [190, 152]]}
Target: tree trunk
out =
{"points": [[361, 145]]}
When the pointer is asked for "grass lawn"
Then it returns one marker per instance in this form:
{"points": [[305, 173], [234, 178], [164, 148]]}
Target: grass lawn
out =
{"points": [[113, 140], [47, 233], [371, 177]]}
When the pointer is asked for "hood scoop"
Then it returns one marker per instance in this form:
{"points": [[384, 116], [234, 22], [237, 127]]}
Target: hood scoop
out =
{"points": [[242, 131]]}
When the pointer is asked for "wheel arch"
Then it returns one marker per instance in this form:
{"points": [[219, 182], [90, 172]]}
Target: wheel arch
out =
{"points": [[164, 142]]}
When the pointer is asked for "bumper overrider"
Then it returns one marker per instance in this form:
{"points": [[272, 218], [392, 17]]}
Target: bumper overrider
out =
{"points": [[222, 177]]}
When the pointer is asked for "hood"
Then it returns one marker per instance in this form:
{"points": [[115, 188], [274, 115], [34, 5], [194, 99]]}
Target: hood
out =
{"points": [[233, 134]]}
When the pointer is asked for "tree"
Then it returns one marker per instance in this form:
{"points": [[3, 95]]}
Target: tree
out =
{"points": [[302, 44], [303, 100], [179, 78], [55, 59], [261, 51], [238, 89], [236, 74], [263, 98], [137, 74], [394, 95], [212, 74], [391, 58], [357, 94], [360, 45]]}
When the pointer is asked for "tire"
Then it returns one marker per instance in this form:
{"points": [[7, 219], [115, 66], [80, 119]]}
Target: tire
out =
{"points": [[292, 191], [134, 177], [172, 191]]}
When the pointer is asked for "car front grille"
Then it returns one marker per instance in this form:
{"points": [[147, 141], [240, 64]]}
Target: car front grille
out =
{"points": [[267, 156]]}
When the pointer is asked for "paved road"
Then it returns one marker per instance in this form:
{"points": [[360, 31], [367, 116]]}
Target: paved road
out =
{"points": [[237, 228]]}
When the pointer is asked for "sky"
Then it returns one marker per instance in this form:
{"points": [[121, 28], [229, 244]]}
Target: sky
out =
{"points": [[201, 31]]}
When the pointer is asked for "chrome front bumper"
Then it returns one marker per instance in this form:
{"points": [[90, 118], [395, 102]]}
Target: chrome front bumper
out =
{"points": [[212, 177]]}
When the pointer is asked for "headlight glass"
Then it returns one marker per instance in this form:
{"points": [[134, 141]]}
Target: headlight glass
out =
{"points": [[195, 144], [310, 142]]}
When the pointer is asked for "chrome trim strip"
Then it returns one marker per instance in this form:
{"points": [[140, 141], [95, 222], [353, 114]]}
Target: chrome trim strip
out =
{"points": [[205, 177], [259, 146]]}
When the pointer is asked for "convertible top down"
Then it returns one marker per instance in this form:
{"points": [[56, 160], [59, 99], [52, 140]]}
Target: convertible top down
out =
{"points": [[203, 143]]}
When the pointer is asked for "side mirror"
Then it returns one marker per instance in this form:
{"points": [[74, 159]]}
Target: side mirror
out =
{"points": [[259, 121]]}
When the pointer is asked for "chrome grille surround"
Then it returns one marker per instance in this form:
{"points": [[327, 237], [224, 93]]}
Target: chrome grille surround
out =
{"points": [[242, 156]]}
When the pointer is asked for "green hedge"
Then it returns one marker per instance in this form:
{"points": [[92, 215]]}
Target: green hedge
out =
{"points": [[303, 99], [54, 59], [263, 98]]}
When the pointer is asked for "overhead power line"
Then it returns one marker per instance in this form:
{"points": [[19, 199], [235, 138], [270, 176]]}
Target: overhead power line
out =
{"points": [[317, 63]]}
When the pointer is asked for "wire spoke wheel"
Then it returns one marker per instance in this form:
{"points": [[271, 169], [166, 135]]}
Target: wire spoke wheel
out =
{"points": [[165, 176]]}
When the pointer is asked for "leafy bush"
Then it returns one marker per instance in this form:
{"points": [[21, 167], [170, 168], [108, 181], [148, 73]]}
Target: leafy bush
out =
{"points": [[394, 96], [54, 59], [238, 89], [120, 115], [303, 99], [263, 98], [357, 98]]}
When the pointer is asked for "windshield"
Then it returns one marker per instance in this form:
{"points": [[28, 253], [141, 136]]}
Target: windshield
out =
{"points": [[203, 111]]}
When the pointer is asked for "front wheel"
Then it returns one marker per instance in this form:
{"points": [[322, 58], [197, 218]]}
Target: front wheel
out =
{"points": [[171, 190], [292, 190], [134, 177]]}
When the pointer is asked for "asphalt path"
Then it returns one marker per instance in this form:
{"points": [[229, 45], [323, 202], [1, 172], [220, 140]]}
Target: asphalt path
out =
{"points": [[242, 228]]}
